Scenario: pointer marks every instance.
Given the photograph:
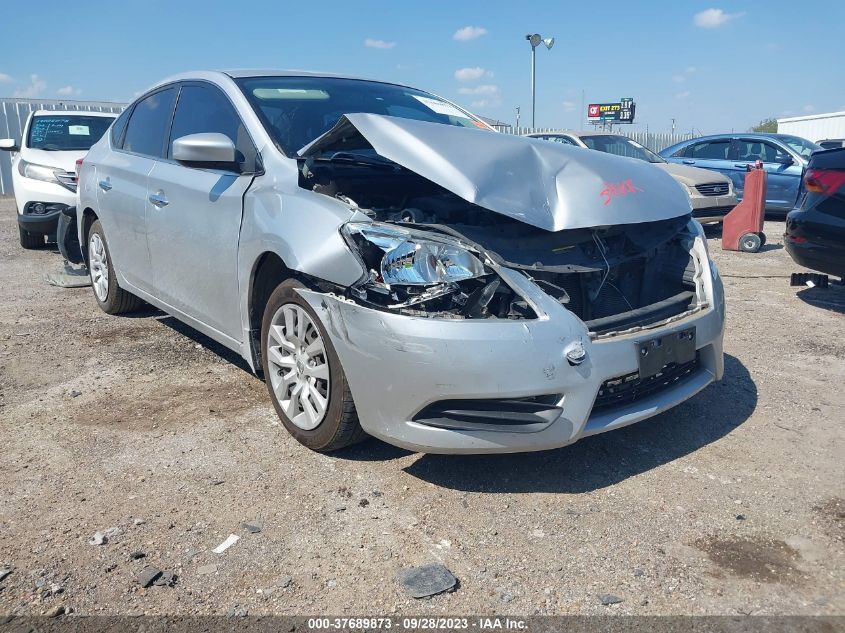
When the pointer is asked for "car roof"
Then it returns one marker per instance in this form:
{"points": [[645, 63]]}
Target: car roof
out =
{"points": [[240, 73], [72, 112]]}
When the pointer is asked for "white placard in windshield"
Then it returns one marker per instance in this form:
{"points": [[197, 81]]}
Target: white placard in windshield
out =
{"points": [[441, 107], [78, 130]]}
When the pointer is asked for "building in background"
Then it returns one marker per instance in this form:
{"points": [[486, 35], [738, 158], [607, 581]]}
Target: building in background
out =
{"points": [[814, 127], [13, 116]]}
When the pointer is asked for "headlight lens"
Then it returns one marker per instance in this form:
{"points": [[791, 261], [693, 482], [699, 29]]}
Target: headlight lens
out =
{"points": [[411, 258], [37, 172]]}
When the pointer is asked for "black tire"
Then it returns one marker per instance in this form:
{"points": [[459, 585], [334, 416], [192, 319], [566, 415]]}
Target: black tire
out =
{"points": [[29, 240], [117, 300], [750, 243], [340, 427], [762, 239]]}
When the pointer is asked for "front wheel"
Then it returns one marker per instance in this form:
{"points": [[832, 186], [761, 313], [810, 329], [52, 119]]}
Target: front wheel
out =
{"points": [[303, 374], [111, 298]]}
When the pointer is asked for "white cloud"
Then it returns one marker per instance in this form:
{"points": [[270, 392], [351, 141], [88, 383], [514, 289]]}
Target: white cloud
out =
{"points": [[381, 44], [568, 106], [809, 108], [678, 79], [483, 89], [683, 95], [690, 70], [482, 103], [5, 79], [714, 18], [471, 74], [36, 87], [469, 33], [68, 91]]}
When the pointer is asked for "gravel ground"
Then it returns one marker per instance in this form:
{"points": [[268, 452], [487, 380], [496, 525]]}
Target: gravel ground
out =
{"points": [[731, 503]]}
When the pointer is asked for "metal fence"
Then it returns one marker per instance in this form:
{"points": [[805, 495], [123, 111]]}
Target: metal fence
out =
{"points": [[13, 116], [655, 141]]}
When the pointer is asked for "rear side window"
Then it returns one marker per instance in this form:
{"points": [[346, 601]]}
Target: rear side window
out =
{"points": [[118, 128], [66, 131], [715, 150], [203, 109], [146, 131]]}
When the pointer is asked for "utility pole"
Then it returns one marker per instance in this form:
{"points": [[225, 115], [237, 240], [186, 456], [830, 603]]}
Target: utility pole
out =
{"points": [[517, 119], [673, 126], [535, 40]]}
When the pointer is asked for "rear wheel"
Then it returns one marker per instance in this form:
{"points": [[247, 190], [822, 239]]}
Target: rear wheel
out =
{"points": [[303, 374], [111, 298], [30, 240]]}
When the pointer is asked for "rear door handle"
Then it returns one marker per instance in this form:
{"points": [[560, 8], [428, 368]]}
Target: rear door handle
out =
{"points": [[105, 185], [158, 199], [688, 162], [743, 165]]}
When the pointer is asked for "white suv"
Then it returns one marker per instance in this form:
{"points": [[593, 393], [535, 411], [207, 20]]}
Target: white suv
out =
{"points": [[43, 166]]}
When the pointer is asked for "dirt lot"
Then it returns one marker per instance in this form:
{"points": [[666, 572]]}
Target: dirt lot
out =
{"points": [[731, 503]]}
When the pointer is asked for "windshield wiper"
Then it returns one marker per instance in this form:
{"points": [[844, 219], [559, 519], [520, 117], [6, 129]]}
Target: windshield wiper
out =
{"points": [[360, 159]]}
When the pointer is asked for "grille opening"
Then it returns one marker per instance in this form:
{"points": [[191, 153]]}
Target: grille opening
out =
{"points": [[622, 390]]}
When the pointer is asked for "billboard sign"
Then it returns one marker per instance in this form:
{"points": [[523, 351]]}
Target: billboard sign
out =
{"points": [[621, 111]]}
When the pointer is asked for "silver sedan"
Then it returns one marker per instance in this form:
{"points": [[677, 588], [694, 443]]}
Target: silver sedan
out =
{"points": [[396, 268]]}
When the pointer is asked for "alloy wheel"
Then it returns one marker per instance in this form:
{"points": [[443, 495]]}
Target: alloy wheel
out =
{"points": [[99, 263], [298, 366]]}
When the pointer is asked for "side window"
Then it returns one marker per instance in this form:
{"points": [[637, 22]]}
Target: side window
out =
{"points": [[118, 127], [147, 128], [206, 109], [752, 149], [565, 140], [713, 150]]}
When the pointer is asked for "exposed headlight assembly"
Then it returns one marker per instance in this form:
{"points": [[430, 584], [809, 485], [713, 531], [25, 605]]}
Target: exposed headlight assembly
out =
{"points": [[411, 259], [408, 267]]}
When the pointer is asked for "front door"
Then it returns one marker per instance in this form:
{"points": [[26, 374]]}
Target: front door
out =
{"points": [[783, 171], [194, 215]]}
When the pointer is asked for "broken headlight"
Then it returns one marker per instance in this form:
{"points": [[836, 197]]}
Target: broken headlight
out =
{"points": [[419, 273], [398, 256]]}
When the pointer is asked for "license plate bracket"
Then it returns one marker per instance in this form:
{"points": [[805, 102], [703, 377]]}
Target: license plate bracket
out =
{"points": [[655, 353]]}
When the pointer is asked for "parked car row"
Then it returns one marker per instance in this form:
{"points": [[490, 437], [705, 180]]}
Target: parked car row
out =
{"points": [[395, 268]]}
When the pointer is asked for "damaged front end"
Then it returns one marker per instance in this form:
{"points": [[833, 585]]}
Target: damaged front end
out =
{"points": [[433, 249]]}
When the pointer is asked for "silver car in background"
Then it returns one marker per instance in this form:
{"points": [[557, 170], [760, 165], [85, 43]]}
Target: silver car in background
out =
{"points": [[395, 268]]}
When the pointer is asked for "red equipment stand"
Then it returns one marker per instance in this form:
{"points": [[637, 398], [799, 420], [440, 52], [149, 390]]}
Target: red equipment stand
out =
{"points": [[742, 228]]}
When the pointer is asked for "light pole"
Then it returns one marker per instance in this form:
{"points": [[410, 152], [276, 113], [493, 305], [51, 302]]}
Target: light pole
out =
{"points": [[535, 40]]}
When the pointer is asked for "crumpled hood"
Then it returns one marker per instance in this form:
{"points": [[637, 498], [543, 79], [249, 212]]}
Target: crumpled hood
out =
{"points": [[59, 159], [548, 185], [692, 176]]}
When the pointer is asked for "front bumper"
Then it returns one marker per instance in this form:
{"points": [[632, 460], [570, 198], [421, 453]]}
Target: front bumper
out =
{"points": [[42, 223], [712, 208], [397, 366]]}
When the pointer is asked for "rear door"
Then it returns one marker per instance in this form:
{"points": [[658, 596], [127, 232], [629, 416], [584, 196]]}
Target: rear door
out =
{"points": [[708, 154], [122, 185], [783, 171], [194, 222]]}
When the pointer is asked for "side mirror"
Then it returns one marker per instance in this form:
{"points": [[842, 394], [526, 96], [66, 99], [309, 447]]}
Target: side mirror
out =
{"points": [[784, 159], [207, 147], [9, 145]]}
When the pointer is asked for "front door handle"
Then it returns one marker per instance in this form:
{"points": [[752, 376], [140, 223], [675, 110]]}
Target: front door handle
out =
{"points": [[688, 162], [158, 199], [743, 165], [105, 185]]}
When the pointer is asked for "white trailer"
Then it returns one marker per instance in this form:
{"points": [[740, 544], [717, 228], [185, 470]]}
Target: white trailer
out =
{"points": [[814, 127]]}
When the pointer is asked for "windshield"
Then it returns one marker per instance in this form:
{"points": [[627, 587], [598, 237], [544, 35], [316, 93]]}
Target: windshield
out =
{"points": [[621, 146], [799, 145], [296, 110], [66, 132]]}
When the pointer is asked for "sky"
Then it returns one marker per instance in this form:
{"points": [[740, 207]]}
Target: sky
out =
{"points": [[713, 66]]}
